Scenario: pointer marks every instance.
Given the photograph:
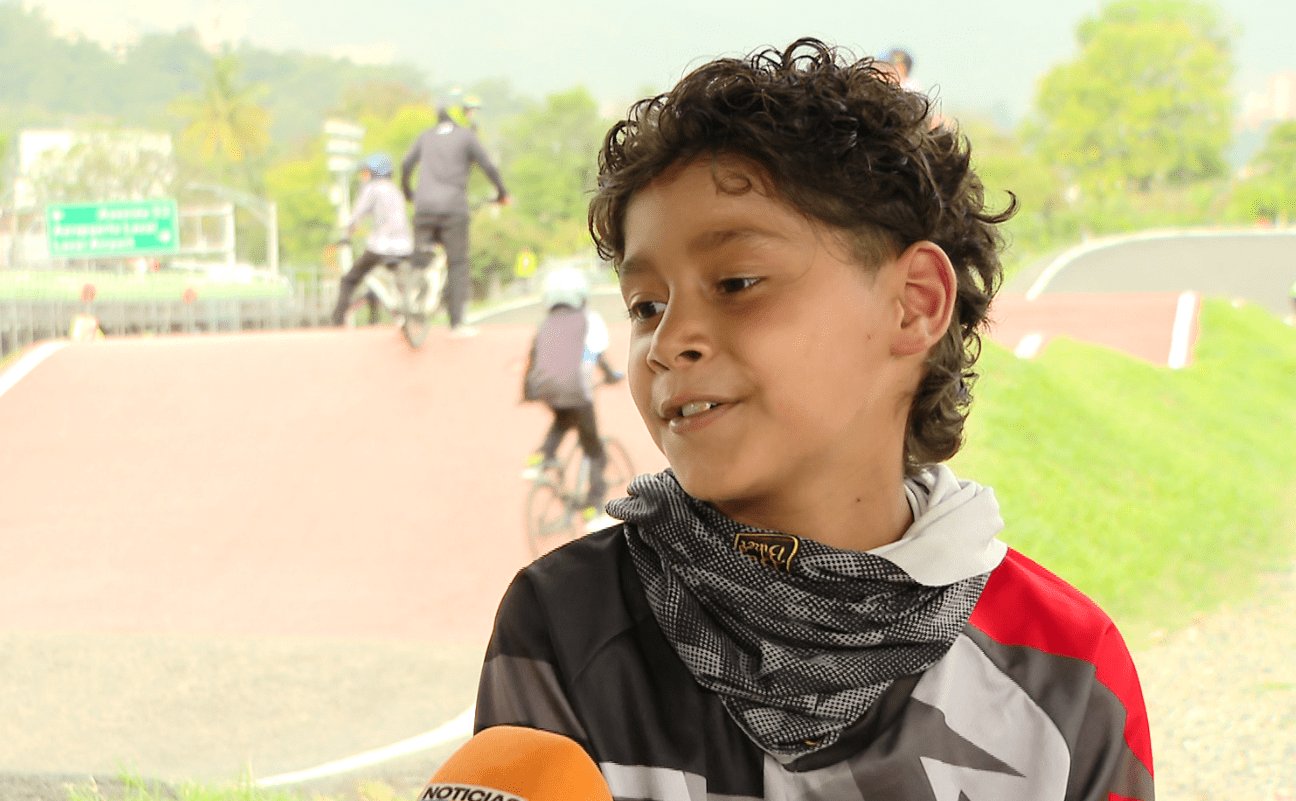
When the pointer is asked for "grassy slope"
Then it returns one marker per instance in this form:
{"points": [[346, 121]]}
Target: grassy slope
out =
{"points": [[1159, 493]]}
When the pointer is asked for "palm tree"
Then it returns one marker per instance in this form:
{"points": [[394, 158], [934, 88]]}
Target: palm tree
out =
{"points": [[226, 119]]}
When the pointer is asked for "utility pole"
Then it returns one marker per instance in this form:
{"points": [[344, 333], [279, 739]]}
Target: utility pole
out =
{"points": [[343, 145]]}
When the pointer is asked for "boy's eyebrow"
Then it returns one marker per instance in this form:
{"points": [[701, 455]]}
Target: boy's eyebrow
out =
{"points": [[702, 243], [631, 265], [712, 240]]}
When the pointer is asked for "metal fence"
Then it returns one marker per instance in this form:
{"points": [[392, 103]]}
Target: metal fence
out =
{"points": [[310, 293], [26, 321]]}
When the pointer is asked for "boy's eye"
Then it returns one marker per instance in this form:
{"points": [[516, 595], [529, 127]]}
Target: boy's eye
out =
{"points": [[731, 285], [646, 310]]}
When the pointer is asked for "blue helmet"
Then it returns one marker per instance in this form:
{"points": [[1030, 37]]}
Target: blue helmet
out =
{"points": [[379, 164]]}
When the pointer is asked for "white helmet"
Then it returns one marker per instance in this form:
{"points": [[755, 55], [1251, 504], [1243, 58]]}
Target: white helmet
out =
{"points": [[567, 285]]}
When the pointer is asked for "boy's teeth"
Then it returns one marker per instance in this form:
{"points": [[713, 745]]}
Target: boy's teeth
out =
{"points": [[696, 407]]}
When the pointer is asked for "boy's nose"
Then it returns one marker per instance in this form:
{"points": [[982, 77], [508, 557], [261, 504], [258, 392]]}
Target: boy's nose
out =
{"points": [[680, 340]]}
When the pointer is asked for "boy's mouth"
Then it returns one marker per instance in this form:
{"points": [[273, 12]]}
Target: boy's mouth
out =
{"points": [[688, 416], [682, 409], [696, 407]]}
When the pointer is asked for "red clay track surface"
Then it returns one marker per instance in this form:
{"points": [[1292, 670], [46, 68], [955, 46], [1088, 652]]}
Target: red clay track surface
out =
{"points": [[182, 516], [1138, 324]]}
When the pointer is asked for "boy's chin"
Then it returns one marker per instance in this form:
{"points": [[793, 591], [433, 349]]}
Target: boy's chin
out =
{"points": [[715, 487]]}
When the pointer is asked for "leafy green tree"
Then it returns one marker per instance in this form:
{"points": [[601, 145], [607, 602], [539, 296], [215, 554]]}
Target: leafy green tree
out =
{"points": [[40, 71], [497, 239], [550, 154], [501, 104], [548, 160], [302, 88], [1005, 165], [393, 134], [1269, 193], [1147, 100], [156, 69], [300, 188], [380, 99]]}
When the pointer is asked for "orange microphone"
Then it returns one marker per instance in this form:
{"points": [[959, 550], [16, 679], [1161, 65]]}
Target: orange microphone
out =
{"points": [[512, 763]]}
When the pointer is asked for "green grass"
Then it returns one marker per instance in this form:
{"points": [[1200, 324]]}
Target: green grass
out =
{"points": [[1159, 493], [130, 787], [18, 285]]}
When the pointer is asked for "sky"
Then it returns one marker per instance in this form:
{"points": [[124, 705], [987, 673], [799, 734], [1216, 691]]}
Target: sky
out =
{"points": [[976, 56]]}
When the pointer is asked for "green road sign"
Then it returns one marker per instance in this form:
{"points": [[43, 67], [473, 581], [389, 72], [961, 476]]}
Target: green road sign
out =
{"points": [[123, 228]]}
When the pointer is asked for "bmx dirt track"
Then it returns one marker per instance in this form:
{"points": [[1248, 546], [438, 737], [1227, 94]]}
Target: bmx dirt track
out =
{"points": [[260, 552], [265, 552]]}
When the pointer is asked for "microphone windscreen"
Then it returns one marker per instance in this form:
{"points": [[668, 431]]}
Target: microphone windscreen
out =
{"points": [[506, 763]]}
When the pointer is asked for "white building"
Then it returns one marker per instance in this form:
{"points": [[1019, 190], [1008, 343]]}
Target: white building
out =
{"points": [[91, 166], [1276, 103]]}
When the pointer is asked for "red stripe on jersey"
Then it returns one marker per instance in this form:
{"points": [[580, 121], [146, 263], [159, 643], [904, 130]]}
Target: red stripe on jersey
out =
{"points": [[1073, 627]]}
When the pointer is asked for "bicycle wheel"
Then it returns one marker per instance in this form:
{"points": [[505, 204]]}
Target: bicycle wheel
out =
{"points": [[550, 521], [414, 316], [619, 468], [362, 310]]}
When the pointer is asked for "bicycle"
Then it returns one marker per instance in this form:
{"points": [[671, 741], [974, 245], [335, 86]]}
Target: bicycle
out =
{"points": [[411, 296], [556, 502]]}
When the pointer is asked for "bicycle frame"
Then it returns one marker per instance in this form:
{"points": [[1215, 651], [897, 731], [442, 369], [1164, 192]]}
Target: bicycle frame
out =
{"points": [[386, 284], [556, 500]]}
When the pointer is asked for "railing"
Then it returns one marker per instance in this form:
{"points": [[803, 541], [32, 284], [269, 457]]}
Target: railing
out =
{"points": [[23, 322]]}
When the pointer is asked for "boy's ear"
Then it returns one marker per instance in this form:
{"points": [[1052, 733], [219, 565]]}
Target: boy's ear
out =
{"points": [[926, 298]]}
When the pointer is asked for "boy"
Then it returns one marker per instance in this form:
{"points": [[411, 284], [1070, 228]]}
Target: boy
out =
{"points": [[391, 234], [570, 341], [809, 605]]}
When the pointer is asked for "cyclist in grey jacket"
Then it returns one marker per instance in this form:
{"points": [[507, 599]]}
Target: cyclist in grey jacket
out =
{"points": [[445, 154]]}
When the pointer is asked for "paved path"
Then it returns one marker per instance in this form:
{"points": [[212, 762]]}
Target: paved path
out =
{"points": [[1127, 292], [1142, 325], [1257, 265]]}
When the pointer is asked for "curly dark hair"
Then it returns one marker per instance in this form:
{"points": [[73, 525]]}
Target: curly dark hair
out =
{"points": [[842, 143]]}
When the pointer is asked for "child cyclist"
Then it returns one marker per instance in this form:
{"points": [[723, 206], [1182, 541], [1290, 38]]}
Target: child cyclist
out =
{"points": [[568, 345], [391, 235], [809, 604]]}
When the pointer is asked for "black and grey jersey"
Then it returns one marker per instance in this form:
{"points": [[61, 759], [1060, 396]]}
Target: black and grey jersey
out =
{"points": [[1037, 699]]}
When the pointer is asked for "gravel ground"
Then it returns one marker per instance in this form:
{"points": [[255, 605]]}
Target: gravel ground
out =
{"points": [[1221, 697]]}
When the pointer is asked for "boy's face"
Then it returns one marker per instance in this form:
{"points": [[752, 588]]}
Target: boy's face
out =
{"points": [[761, 354]]}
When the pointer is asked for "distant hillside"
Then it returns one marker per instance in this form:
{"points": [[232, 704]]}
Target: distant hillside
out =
{"points": [[46, 80]]}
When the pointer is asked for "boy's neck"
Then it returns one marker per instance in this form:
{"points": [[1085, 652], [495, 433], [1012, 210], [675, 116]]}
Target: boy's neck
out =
{"points": [[849, 520]]}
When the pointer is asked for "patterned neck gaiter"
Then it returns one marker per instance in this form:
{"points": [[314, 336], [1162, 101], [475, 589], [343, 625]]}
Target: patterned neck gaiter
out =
{"points": [[797, 638]]}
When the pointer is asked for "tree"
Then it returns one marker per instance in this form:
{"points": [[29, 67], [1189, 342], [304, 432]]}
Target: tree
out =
{"points": [[549, 162], [225, 120], [550, 156], [39, 69], [394, 134], [1269, 192], [380, 98], [1147, 100], [306, 218], [1004, 165]]}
